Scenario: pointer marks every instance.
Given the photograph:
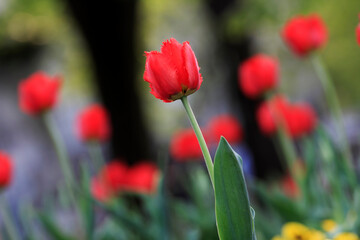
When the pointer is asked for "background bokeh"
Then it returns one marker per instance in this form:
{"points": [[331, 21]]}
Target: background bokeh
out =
{"points": [[99, 51]]}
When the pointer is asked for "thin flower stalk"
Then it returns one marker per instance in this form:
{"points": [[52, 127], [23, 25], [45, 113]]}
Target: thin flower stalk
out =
{"points": [[334, 105], [96, 154], [200, 137], [61, 153]]}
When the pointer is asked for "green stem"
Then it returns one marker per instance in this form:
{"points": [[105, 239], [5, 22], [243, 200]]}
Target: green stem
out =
{"points": [[96, 154], [61, 153], [328, 168], [200, 137], [334, 105], [7, 220]]}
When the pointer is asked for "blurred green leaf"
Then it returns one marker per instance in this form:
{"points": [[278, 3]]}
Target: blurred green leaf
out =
{"points": [[232, 206], [52, 229], [132, 222], [87, 204]]}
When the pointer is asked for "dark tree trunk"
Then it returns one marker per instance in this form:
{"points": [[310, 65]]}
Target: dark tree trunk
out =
{"points": [[108, 28]]}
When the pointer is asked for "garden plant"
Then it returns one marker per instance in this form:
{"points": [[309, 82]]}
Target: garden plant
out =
{"points": [[317, 199]]}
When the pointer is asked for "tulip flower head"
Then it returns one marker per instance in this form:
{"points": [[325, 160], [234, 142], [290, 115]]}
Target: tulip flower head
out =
{"points": [[258, 75], [38, 93], [116, 178], [357, 32], [271, 112], [93, 124], [227, 126], [297, 119], [173, 72], [301, 119], [142, 178], [100, 191], [184, 146], [6, 170], [303, 34], [110, 181]]}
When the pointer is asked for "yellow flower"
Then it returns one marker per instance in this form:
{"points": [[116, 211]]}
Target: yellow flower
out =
{"points": [[295, 231], [346, 236], [316, 235], [328, 225]]}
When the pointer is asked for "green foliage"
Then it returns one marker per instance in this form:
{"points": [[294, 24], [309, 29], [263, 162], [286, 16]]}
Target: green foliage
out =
{"points": [[233, 212]]}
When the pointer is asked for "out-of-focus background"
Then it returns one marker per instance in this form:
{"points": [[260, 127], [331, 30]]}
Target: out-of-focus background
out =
{"points": [[98, 48]]}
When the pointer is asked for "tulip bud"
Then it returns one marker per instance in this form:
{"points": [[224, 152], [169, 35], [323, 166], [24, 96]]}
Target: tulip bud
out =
{"points": [[304, 34], [93, 124], [110, 181], [271, 113], [227, 126], [142, 178], [184, 146], [38, 93], [297, 119], [173, 72], [258, 75]]}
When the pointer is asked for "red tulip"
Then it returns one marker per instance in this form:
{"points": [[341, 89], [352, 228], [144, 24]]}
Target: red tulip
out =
{"points": [[227, 126], [93, 124], [301, 119], [184, 146], [297, 119], [268, 110], [173, 72], [142, 178], [100, 191], [357, 32], [258, 75], [116, 177], [304, 34], [110, 181], [38, 93], [6, 170]]}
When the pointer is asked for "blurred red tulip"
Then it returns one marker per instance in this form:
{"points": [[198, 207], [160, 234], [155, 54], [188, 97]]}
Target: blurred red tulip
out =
{"points": [[301, 120], [357, 31], [304, 34], [298, 119], [110, 181], [93, 124], [38, 93], [258, 75], [268, 110], [226, 126], [6, 170], [142, 178], [184, 146], [100, 191], [173, 72], [116, 177]]}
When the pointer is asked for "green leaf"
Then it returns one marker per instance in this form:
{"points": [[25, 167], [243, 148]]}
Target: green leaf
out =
{"points": [[87, 204], [233, 212], [54, 231]]}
